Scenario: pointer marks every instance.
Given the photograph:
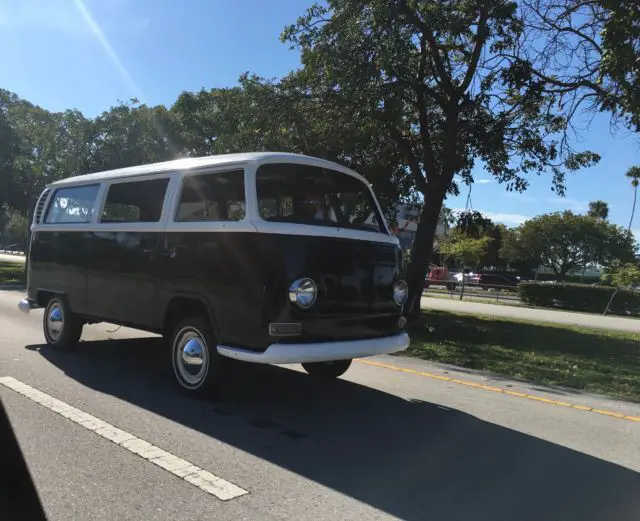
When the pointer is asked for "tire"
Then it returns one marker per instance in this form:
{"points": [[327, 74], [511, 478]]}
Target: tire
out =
{"points": [[62, 327], [198, 373], [327, 370]]}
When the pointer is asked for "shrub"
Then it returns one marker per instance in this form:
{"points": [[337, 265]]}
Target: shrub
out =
{"points": [[580, 297], [573, 277]]}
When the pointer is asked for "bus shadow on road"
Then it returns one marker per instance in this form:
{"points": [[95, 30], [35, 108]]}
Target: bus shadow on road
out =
{"points": [[412, 459]]}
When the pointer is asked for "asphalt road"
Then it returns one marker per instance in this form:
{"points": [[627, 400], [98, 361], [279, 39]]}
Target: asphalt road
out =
{"points": [[533, 314], [397, 441]]}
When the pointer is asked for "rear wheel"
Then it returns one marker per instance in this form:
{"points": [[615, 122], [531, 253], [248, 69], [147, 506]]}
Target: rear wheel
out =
{"points": [[196, 363], [327, 370], [62, 327]]}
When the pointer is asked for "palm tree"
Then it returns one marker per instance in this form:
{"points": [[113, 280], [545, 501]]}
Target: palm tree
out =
{"points": [[634, 174], [598, 209], [447, 218]]}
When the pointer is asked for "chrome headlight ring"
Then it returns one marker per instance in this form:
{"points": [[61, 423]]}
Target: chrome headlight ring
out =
{"points": [[400, 292], [303, 292]]}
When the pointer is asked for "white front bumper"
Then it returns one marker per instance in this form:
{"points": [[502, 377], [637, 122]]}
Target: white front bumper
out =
{"points": [[319, 351]]}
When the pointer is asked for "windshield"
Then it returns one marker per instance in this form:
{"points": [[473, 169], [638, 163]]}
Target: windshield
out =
{"points": [[304, 194]]}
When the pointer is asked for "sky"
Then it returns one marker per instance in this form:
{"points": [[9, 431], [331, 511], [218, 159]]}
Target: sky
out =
{"points": [[91, 54]]}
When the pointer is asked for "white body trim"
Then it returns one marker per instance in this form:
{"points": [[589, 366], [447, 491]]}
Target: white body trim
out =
{"points": [[319, 351]]}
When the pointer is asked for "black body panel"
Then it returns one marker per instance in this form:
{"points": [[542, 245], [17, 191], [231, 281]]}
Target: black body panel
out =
{"points": [[131, 278]]}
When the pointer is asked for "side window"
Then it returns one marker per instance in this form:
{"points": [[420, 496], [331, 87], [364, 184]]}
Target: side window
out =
{"points": [[217, 196], [75, 204], [135, 201]]}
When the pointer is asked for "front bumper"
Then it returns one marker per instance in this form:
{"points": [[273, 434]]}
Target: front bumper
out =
{"points": [[319, 351]]}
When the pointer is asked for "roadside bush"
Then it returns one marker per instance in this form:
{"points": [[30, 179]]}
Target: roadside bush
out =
{"points": [[573, 278], [580, 297]]}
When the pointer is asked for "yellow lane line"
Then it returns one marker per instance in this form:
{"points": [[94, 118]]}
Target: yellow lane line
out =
{"points": [[508, 392]]}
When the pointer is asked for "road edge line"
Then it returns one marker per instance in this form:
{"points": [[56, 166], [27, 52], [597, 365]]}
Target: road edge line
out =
{"points": [[500, 390], [183, 469]]}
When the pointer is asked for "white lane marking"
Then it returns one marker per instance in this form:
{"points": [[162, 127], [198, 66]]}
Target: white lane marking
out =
{"points": [[179, 467]]}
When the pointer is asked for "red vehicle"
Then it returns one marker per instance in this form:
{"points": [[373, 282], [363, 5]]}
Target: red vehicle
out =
{"points": [[440, 276]]}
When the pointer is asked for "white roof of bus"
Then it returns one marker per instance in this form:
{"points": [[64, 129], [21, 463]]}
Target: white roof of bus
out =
{"points": [[186, 164]]}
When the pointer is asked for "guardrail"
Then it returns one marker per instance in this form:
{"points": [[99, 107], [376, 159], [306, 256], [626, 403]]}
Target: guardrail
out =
{"points": [[472, 291], [11, 249]]}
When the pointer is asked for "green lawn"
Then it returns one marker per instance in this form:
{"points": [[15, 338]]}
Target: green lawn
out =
{"points": [[588, 359], [11, 273]]}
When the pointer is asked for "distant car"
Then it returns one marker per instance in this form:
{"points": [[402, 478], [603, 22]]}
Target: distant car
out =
{"points": [[495, 281], [440, 276]]}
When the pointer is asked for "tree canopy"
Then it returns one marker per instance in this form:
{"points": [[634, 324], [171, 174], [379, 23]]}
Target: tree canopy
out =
{"points": [[411, 93], [452, 85], [564, 242], [598, 209]]}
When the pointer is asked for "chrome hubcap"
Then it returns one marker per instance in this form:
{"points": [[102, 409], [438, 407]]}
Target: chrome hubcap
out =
{"points": [[191, 356], [55, 321]]}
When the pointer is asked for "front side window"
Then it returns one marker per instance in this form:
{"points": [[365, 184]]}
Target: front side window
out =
{"points": [[218, 196], [75, 204], [135, 201], [304, 194]]}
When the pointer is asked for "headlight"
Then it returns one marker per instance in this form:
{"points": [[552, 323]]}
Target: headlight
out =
{"points": [[400, 292], [303, 292]]}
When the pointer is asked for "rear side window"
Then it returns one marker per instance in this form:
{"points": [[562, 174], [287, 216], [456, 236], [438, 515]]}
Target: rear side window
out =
{"points": [[304, 194], [217, 196], [135, 201], [73, 205]]}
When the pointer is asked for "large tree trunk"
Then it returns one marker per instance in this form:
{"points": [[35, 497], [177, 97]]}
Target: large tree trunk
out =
{"points": [[421, 249]]}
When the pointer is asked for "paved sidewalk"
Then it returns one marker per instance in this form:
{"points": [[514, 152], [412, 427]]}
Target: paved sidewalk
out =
{"points": [[536, 315], [8, 257]]}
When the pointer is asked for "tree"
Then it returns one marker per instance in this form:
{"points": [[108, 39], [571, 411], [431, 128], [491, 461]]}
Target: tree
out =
{"points": [[447, 218], [586, 53], [628, 275], [133, 134], [466, 250], [38, 147], [565, 242], [450, 83], [598, 209], [473, 224], [634, 174], [267, 115]]}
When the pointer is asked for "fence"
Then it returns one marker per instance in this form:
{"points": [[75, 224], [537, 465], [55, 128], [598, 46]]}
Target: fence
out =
{"points": [[472, 291], [12, 249]]}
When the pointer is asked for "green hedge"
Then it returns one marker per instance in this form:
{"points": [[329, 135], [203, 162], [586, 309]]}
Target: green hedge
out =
{"points": [[574, 278], [580, 297]]}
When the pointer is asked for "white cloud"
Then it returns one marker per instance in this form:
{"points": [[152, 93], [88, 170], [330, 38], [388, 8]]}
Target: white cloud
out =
{"points": [[571, 204], [499, 217], [484, 181], [507, 218]]}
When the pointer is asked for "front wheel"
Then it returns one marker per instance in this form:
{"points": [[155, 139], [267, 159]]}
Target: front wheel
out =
{"points": [[327, 370], [62, 327], [194, 356]]}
